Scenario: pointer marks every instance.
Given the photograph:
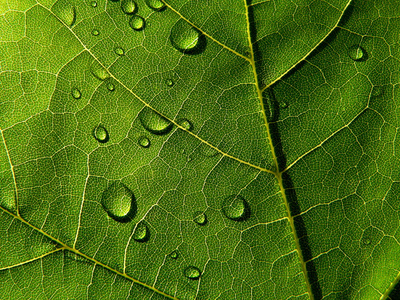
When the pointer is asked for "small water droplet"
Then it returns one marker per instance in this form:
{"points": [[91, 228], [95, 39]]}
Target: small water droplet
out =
{"points": [[192, 272], [185, 123], [366, 241], [235, 208], [110, 86], [137, 23], [98, 71], [101, 134], [156, 5], [128, 6], [119, 202], [144, 142], [356, 53], [93, 4], [169, 82], [119, 51], [65, 12], [184, 37], [154, 122], [200, 218], [174, 254], [141, 233], [247, 53], [95, 32], [76, 93], [283, 104]]}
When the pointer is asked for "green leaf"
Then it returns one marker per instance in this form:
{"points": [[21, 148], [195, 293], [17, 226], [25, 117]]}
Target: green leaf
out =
{"points": [[199, 149]]}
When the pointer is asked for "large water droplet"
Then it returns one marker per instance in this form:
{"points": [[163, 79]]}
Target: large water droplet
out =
{"points": [[356, 53], [192, 272], [98, 71], [128, 6], [185, 123], [119, 202], [236, 208], [141, 233], [119, 51], [101, 134], [76, 93], [200, 218], [137, 23], [95, 32], [65, 12], [185, 38], [174, 254], [154, 122], [144, 142], [155, 4]]}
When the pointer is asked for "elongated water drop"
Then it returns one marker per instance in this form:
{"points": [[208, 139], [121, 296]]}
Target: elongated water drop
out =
{"points": [[156, 5], [192, 272], [154, 122], [236, 208], [129, 7], [119, 51], [110, 86], [200, 218], [76, 93], [65, 12], [356, 53], [141, 233], [184, 37], [185, 123], [137, 23], [98, 71], [174, 254], [119, 202], [95, 32], [101, 134], [144, 142]]}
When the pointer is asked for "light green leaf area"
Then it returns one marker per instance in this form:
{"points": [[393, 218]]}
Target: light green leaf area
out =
{"points": [[185, 149]]}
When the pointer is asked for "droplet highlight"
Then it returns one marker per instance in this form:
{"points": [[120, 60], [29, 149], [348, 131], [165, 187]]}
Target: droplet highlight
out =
{"points": [[184, 37], [185, 123], [119, 202], [137, 23], [174, 254], [200, 218], [236, 208], [95, 32], [129, 7], [154, 122], [110, 87], [192, 272], [141, 233], [119, 51], [76, 93], [98, 71], [101, 134], [156, 5], [65, 12], [356, 53], [144, 142]]}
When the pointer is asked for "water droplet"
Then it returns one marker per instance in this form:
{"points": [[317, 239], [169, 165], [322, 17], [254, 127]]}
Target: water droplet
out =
{"points": [[283, 104], [200, 218], [144, 142], [98, 71], [119, 202], [95, 32], [65, 11], [192, 272], [208, 151], [169, 82], [76, 93], [156, 5], [128, 6], [119, 51], [236, 208], [154, 122], [356, 53], [93, 4], [101, 134], [366, 241], [141, 233], [174, 254], [184, 37], [185, 123], [137, 23], [110, 86]]}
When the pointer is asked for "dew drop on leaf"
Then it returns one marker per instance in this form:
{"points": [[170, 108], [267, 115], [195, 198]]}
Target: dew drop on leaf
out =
{"points": [[192, 272], [119, 202], [174, 254], [141, 233], [156, 5], [95, 32], [76, 93], [356, 53], [98, 71], [200, 218], [283, 104], [184, 37], [128, 6], [119, 51], [185, 123], [235, 208], [93, 4], [366, 241], [154, 122], [101, 134], [65, 12], [110, 86], [169, 82], [137, 23], [144, 142]]}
